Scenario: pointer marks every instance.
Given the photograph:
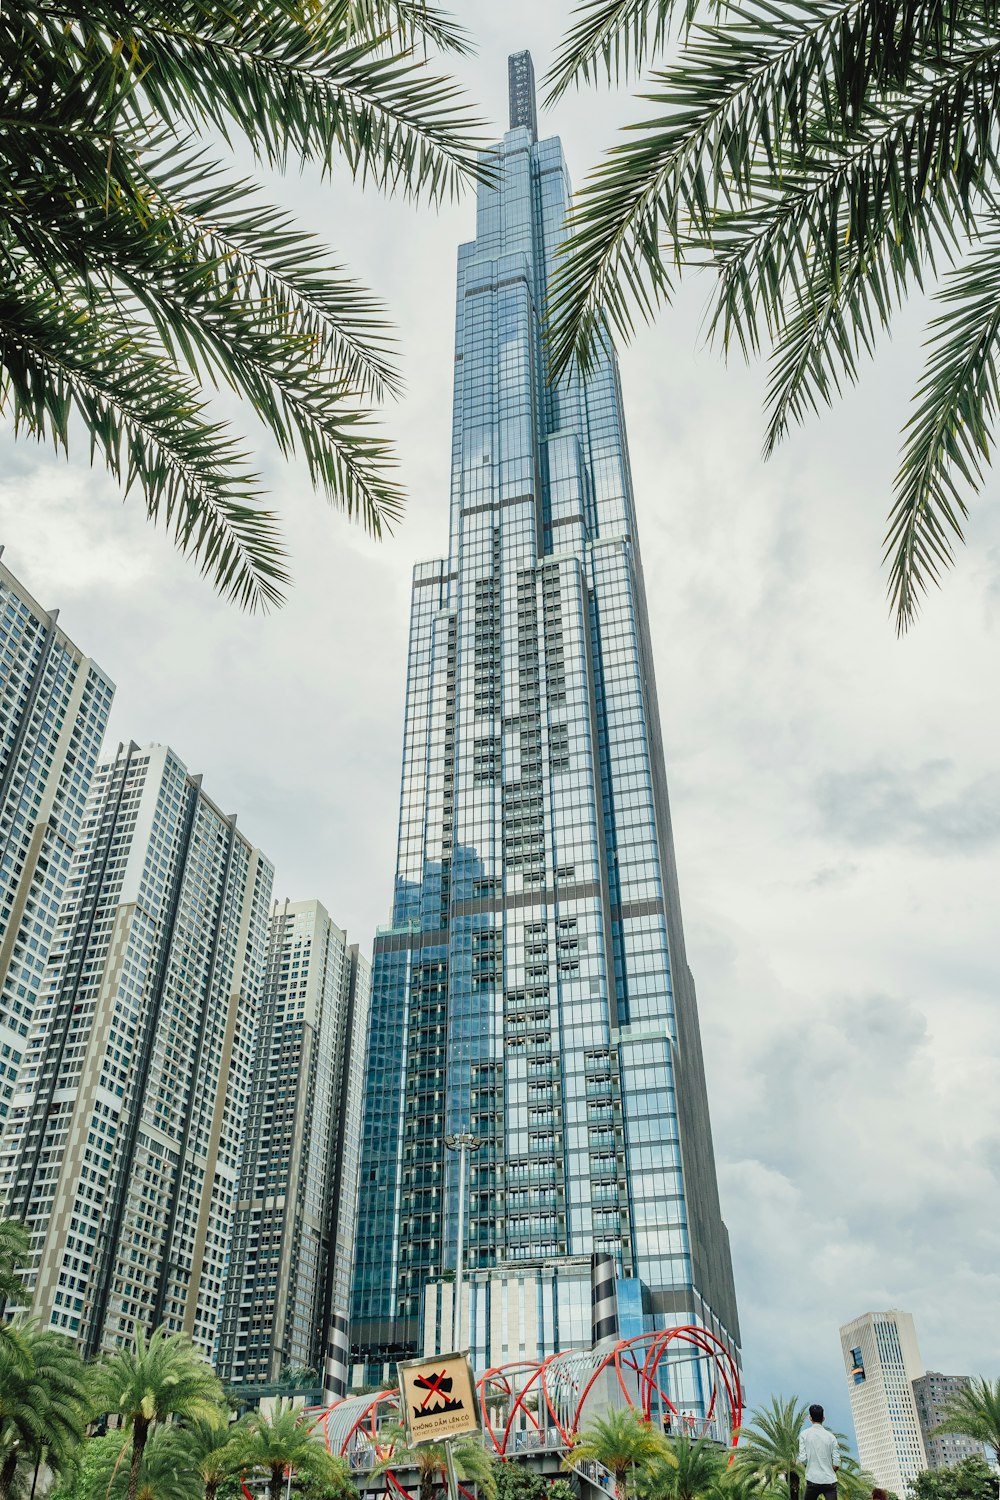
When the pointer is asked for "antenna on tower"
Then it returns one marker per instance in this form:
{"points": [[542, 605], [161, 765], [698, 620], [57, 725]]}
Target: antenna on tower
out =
{"points": [[521, 83]]}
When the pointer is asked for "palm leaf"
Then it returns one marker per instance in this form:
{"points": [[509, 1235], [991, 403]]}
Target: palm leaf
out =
{"points": [[132, 272], [614, 37], [150, 427], [412, 21], [949, 437]]}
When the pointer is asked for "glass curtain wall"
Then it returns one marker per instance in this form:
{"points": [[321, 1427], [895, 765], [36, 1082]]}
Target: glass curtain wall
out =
{"points": [[532, 986]]}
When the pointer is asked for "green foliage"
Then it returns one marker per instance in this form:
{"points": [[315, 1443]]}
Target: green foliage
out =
{"points": [[823, 158], [975, 1413], [622, 1442], [156, 1380], [268, 1443], [136, 275], [518, 1481], [472, 1462], [768, 1451], [694, 1473], [207, 1442], [335, 1487], [167, 1470], [14, 1243], [854, 1482], [44, 1402], [970, 1479]]}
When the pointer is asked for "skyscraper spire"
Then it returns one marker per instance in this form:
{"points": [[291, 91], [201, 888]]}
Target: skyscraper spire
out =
{"points": [[521, 85]]}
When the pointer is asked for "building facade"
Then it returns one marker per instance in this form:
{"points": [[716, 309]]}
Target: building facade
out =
{"points": [[882, 1359], [54, 706], [287, 1299], [532, 987], [932, 1393], [122, 1143]]}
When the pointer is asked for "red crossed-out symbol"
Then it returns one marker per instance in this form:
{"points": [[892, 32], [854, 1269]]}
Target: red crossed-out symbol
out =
{"points": [[435, 1385]]}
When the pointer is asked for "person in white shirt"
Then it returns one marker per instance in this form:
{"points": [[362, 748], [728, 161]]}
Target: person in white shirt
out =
{"points": [[819, 1451]]}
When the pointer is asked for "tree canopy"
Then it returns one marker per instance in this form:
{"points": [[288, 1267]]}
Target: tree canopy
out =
{"points": [[970, 1479]]}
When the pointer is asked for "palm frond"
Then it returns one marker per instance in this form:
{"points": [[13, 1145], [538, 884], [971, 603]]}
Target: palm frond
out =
{"points": [[216, 247], [295, 88], [949, 437], [150, 427], [412, 22], [613, 37], [765, 98], [903, 189]]}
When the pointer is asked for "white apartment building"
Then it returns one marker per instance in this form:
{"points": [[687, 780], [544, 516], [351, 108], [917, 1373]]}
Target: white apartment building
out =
{"points": [[882, 1359], [288, 1287], [54, 706], [122, 1144]]}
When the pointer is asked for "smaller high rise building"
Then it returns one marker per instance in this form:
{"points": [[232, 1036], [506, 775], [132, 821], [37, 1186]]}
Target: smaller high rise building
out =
{"points": [[289, 1278], [882, 1359], [54, 706], [932, 1393], [122, 1144]]}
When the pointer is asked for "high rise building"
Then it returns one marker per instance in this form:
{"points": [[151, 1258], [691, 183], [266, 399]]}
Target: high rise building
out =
{"points": [[287, 1300], [533, 987], [54, 706], [882, 1358], [122, 1143], [932, 1393]]}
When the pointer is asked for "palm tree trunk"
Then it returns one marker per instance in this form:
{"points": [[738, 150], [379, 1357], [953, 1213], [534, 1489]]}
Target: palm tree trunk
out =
{"points": [[277, 1480], [793, 1485], [428, 1483], [140, 1432], [7, 1475]]}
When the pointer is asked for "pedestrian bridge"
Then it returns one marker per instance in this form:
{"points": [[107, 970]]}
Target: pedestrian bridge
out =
{"points": [[683, 1379]]}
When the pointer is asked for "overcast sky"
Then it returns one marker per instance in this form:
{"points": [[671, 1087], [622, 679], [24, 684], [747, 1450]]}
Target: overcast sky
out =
{"points": [[836, 792]]}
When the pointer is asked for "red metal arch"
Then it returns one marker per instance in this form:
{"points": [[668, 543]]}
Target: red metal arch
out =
{"points": [[636, 1363], [725, 1392]]}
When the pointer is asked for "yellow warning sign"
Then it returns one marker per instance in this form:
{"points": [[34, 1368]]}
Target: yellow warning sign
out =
{"points": [[438, 1397]]}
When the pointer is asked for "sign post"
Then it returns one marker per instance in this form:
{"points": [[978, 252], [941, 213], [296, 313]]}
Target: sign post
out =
{"points": [[439, 1404]]}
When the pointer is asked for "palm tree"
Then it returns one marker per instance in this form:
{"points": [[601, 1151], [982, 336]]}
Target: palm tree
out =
{"points": [[208, 1443], [853, 1482], [768, 1452], [472, 1462], [14, 1246], [975, 1413], [822, 160], [168, 1470], [156, 1380], [694, 1474], [276, 1442], [622, 1441], [136, 273], [736, 1483], [44, 1405], [339, 1486]]}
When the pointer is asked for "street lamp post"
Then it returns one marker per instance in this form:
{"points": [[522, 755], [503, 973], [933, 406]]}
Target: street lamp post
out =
{"points": [[463, 1142]]}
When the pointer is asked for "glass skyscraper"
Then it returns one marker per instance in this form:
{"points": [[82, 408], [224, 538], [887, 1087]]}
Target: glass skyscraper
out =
{"points": [[533, 986]]}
